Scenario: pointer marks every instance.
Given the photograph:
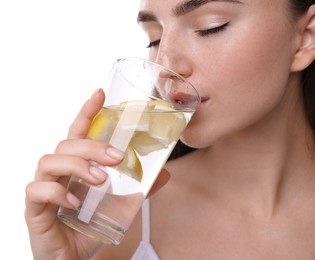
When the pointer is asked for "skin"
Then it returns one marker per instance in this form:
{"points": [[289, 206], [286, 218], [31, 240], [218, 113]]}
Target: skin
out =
{"points": [[247, 192]]}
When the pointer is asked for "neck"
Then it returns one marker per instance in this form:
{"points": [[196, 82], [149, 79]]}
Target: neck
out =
{"points": [[261, 167]]}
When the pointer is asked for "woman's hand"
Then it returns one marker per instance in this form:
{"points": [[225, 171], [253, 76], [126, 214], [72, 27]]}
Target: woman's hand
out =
{"points": [[50, 239]]}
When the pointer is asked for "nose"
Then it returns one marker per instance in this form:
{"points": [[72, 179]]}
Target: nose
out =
{"points": [[174, 54]]}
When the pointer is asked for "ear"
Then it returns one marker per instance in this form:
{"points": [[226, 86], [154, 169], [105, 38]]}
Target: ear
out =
{"points": [[305, 53]]}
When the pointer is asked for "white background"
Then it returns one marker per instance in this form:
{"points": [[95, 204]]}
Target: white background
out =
{"points": [[53, 55]]}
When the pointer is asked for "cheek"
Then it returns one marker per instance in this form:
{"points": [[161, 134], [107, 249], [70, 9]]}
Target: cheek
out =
{"points": [[250, 58], [255, 74], [255, 66], [246, 81]]}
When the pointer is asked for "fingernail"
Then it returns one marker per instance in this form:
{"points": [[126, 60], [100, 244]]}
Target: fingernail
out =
{"points": [[115, 153], [98, 173], [96, 92], [73, 200]]}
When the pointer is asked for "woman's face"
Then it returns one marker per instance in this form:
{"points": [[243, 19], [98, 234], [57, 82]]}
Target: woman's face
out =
{"points": [[237, 54]]}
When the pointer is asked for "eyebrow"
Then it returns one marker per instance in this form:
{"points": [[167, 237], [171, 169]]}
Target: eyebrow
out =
{"points": [[144, 16], [190, 5], [180, 9]]}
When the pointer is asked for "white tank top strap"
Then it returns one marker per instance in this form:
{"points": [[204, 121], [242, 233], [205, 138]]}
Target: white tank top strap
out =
{"points": [[145, 251], [146, 221]]}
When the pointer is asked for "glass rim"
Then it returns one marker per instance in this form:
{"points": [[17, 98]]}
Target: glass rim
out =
{"points": [[126, 58]]}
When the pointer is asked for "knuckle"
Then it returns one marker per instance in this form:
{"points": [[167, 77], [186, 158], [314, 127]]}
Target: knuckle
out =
{"points": [[60, 146], [42, 162], [29, 189]]}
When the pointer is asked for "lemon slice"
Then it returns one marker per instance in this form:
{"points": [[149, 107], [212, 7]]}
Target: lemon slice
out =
{"points": [[131, 165], [160, 105], [165, 124], [102, 128], [167, 127], [144, 144], [158, 125], [103, 124], [133, 107]]}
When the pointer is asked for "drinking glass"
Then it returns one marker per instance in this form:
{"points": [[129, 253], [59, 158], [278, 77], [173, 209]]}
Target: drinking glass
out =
{"points": [[147, 108]]}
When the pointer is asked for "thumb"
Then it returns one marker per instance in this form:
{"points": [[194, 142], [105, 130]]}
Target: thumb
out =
{"points": [[83, 120]]}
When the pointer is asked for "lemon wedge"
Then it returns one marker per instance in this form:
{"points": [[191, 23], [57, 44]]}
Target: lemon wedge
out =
{"points": [[144, 144], [102, 128], [103, 124], [158, 125], [160, 105], [166, 127], [165, 124], [131, 165]]}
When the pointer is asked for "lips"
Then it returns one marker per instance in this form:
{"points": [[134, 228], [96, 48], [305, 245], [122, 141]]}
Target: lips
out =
{"points": [[204, 99], [183, 100], [204, 102]]}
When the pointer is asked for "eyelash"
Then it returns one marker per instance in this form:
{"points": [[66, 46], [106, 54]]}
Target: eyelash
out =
{"points": [[153, 44], [202, 33]]}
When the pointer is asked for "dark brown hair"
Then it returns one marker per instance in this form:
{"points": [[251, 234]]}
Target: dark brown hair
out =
{"points": [[297, 8]]}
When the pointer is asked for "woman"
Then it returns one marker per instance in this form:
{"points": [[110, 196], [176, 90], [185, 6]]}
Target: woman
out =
{"points": [[247, 191]]}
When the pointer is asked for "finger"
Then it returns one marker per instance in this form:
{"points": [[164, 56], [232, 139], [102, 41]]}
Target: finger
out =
{"points": [[162, 179], [97, 151], [82, 122], [57, 167], [40, 194]]}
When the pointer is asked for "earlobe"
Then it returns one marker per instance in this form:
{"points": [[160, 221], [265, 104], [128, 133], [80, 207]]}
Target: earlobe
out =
{"points": [[305, 53]]}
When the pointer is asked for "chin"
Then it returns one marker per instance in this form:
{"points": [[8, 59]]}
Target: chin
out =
{"points": [[198, 137], [194, 142]]}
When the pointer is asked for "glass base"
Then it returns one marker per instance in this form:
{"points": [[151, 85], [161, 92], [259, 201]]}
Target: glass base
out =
{"points": [[100, 227]]}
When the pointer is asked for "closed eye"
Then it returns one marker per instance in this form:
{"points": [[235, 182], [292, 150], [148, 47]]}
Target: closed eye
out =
{"points": [[202, 33], [214, 30], [153, 44]]}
